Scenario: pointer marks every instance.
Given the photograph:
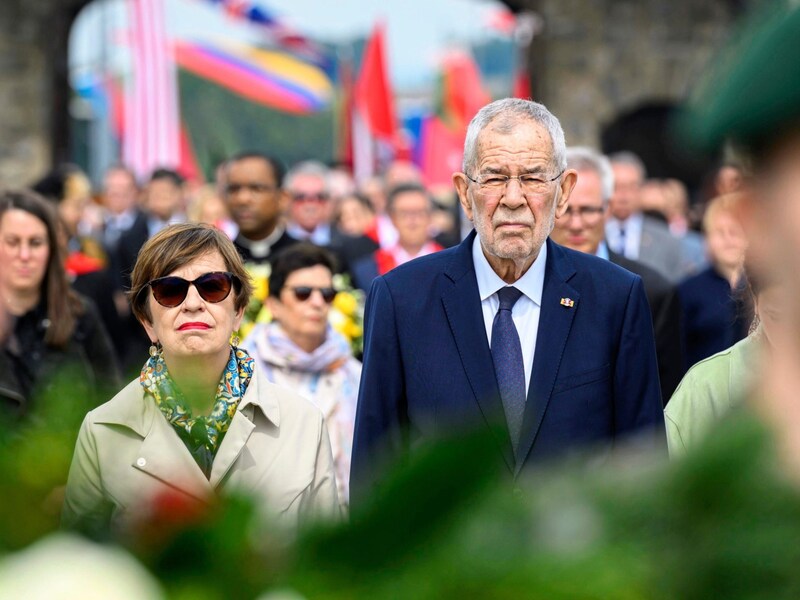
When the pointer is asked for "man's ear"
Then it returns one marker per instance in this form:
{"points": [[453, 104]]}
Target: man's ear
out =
{"points": [[461, 184], [566, 185]]}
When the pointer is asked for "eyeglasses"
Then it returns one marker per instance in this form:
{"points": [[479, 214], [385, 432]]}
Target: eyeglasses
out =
{"points": [[494, 184], [213, 287], [586, 213], [317, 197], [303, 293], [254, 188]]}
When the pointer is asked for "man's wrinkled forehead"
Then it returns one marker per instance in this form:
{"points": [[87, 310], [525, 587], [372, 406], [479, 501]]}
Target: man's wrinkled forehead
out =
{"points": [[536, 137]]}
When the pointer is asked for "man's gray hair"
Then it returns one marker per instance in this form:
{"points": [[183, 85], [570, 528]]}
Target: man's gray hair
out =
{"points": [[629, 158], [508, 113], [583, 158], [308, 167]]}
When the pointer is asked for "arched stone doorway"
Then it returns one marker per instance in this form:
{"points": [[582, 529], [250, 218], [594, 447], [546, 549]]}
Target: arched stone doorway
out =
{"points": [[34, 36], [648, 130]]}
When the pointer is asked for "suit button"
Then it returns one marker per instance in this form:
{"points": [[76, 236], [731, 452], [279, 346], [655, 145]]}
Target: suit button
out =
{"points": [[517, 492], [140, 462]]}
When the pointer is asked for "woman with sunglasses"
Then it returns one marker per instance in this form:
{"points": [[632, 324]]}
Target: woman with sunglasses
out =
{"points": [[201, 418], [299, 349]]}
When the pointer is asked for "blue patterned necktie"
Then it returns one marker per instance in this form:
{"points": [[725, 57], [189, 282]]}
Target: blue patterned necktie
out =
{"points": [[508, 364], [621, 240]]}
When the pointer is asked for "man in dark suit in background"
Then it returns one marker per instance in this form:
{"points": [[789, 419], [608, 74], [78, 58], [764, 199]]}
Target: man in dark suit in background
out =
{"points": [[507, 328], [582, 227], [633, 234]]}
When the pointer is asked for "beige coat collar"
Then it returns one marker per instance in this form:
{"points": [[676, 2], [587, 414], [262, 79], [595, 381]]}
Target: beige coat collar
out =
{"points": [[163, 455]]}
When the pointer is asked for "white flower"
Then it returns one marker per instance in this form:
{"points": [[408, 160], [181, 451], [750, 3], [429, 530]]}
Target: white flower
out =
{"points": [[66, 567]]}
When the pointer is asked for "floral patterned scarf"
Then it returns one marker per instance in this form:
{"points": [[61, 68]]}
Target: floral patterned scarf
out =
{"points": [[201, 434]]}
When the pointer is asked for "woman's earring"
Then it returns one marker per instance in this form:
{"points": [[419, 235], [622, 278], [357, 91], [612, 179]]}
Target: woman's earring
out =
{"points": [[155, 349], [235, 340]]}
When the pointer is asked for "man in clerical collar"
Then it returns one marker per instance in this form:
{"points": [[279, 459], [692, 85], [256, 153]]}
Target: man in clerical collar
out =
{"points": [[257, 201]]}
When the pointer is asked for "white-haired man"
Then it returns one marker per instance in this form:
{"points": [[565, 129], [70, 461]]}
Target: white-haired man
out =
{"points": [[550, 348]]}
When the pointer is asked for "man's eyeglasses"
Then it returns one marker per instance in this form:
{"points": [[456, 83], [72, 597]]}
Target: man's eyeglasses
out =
{"points": [[213, 287], [303, 293], [254, 188], [494, 184], [586, 213], [317, 197]]}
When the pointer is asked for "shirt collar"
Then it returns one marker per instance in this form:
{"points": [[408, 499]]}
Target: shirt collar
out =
{"points": [[602, 250], [261, 248], [531, 283], [634, 221]]}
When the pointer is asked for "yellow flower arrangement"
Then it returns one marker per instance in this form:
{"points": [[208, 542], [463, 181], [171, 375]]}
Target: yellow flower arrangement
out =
{"points": [[346, 315]]}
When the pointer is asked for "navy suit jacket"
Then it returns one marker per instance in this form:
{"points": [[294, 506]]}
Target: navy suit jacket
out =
{"points": [[428, 368]]}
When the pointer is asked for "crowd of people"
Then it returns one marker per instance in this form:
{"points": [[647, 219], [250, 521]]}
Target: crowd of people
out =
{"points": [[584, 307]]}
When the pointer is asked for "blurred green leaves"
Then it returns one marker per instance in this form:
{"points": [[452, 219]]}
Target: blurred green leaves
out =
{"points": [[448, 523]]}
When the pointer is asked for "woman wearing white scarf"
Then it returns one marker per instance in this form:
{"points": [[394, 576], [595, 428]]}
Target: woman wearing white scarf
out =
{"points": [[299, 350]]}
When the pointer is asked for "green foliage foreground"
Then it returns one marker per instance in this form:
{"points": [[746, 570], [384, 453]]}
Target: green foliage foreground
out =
{"points": [[722, 523]]}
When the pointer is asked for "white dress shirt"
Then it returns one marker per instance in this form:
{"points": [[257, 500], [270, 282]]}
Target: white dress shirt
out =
{"points": [[602, 250], [526, 310], [321, 236], [633, 235]]}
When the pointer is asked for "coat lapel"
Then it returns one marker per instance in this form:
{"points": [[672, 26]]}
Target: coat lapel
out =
{"points": [[463, 309], [164, 456], [231, 447], [257, 398], [555, 322]]}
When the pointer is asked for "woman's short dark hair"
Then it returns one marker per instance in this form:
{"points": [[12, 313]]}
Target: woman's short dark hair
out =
{"points": [[63, 304], [296, 257], [176, 246]]}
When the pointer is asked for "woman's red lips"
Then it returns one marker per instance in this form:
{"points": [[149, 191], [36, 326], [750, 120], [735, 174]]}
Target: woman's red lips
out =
{"points": [[194, 325]]}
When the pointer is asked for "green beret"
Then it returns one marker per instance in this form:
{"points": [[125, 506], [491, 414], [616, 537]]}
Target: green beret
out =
{"points": [[753, 89]]}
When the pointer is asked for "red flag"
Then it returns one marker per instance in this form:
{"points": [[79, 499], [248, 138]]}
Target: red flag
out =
{"points": [[502, 20], [188, 166], [345, 128], [462, 90], [374, 122], [522, 84], [461, 96], [442, 152]]}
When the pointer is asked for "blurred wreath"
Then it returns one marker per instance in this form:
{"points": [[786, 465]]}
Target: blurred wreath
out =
{"points": [[346, 315]]}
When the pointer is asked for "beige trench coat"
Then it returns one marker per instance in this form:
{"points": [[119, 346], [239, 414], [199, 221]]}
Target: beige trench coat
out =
{"points": [[276, 450]]}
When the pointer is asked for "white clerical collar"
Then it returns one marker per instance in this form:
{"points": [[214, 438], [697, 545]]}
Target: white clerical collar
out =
{"points": [[531, 283], [261, 248]]}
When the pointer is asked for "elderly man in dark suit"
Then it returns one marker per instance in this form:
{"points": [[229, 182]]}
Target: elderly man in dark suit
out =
{"points": [[582, 227], [508, 328]]}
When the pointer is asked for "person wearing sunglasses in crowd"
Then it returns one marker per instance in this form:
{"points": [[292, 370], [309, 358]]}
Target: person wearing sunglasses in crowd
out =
{"points": [[201, 418], [301, 351]]}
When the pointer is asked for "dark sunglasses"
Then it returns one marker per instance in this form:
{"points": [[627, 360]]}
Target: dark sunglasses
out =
{"points": [[213, 287], [318, 197], [303, 293]]}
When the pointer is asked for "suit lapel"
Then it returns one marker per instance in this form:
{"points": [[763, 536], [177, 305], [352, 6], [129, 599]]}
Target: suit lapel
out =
{"points": [[462, 306], [555, 322]]}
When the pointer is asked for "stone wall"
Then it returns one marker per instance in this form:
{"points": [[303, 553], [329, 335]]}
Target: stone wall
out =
{"points": [[32, 60], [595, 59], [592, 60]]}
